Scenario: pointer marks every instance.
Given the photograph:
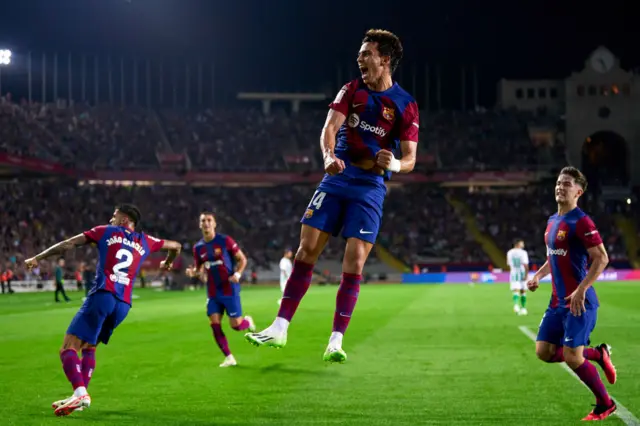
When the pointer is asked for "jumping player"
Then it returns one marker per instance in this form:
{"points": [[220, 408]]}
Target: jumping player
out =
{"points": [[374, 120], [285, 270], [518, 261], [121, 252], [219, 262], [571, 238]]}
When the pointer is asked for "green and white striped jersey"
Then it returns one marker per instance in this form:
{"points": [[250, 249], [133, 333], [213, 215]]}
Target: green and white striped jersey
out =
{"points": [[517, 259]]}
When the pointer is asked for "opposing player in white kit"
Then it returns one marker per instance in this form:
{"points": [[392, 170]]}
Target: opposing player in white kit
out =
{"points": [[518, 261], [286, 266]]}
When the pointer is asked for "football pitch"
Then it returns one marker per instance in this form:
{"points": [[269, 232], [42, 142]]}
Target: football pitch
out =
{"points": [[423, 354]]}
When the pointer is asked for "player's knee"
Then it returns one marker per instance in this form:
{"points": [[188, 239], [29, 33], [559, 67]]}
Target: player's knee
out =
{"points": [[354, 261], [308, 252], [544, 354], [71, 342], [312, 242], [573, 357], [88, 347], [353, 266]]}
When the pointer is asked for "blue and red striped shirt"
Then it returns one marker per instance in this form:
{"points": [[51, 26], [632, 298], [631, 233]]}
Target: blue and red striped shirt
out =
{"points": [[218, 258], [568, 237], [374, 121], [121, 253]]}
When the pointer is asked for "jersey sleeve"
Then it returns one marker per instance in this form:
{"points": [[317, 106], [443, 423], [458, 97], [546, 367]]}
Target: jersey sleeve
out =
{"points": [[283, 265], [95, 234], [341, 102], [155, 244], [232, 246], [525, 258], [588, 233], [196, 259], [410, 123]]}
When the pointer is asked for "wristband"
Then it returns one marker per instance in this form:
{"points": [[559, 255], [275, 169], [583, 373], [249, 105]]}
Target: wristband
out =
{"points": [[237, 275], [394, 166]]}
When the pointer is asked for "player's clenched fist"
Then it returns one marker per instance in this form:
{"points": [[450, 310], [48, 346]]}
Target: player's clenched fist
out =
{"points": [[31, 263], [191, 271], [384, 158], [332, 164], [194, 272], [533, 284], [166, 266]]}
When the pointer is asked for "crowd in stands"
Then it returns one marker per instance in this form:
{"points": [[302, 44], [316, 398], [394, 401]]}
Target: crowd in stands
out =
{"points": [[481, 140], [108, 137], [418, 223], [523, 213], [430, 227]]}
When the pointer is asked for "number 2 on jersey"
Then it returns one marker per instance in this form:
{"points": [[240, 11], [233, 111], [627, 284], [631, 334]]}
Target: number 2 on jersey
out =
{"points": [[126, 259]]}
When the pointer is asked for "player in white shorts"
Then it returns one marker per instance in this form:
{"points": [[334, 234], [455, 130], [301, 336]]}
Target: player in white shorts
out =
{"points": [[286, 266], [518, 261]]}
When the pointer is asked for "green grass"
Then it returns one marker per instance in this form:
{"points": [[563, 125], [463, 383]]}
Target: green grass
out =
{"points": [[447, 355]]}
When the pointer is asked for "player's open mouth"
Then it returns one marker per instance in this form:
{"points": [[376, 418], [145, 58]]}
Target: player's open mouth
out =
{"points": [[364, 71]]}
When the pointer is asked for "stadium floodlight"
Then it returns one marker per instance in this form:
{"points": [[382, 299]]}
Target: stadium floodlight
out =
{"points": [[5, 56]]}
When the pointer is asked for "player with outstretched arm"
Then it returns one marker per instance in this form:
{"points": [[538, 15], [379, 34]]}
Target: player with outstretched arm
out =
{"points": [[121, 252]]}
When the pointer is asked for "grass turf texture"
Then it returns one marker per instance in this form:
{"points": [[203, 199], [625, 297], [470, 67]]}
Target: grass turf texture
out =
{"points": [[439, 354]]}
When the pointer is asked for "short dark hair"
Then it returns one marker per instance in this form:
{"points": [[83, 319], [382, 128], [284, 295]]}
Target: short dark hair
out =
{"points": [[388, 45], [131, 211], [208, 213], [518, 240], [576, 175]]}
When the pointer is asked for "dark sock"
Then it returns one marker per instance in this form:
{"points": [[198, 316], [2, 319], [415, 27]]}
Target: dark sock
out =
{"points": [[242, 326], [72, 368], [297, 286], [346, 301], [591, 354], [589, 375], [221, 339], [88, 365]]}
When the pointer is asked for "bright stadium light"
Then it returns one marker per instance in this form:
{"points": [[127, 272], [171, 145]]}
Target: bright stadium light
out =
{"points": [[5, 56]]}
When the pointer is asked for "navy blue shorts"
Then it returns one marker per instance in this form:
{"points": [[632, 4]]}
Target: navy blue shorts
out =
{"points": [[354, 211], [98, 316], [560, 327], [221, 304]]}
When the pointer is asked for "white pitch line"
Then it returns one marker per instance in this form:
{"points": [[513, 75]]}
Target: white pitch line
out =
{"points": [[625, 415]]}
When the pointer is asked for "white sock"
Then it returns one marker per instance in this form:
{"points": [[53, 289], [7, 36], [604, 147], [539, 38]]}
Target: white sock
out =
{"points": [[80, 391], [280, 324], [336, 339]]}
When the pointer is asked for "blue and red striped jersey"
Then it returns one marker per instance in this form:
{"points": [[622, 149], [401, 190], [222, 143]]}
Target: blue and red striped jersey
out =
{"points": [[218, 258], [121, 253], [374, 121], [568, 237]]}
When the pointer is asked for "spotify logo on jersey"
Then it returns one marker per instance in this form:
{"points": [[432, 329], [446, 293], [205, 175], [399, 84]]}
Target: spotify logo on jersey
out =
{"points": [[354, 120]]}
